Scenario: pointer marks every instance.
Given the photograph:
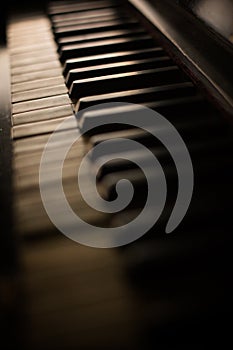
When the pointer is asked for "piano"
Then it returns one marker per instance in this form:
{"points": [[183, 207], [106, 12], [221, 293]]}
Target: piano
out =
{"points": [[58, 61]]}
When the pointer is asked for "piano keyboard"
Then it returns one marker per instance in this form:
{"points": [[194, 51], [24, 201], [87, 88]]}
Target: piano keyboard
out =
{"points": [[159, 289]]}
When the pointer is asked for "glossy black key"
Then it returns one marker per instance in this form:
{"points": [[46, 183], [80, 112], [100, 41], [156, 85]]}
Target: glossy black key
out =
{"points": [[95, 27], [79, 19], [118, 82], [118, 163], [119, 56], [115, 68], [78, 39], [117, 168], [188, 128], [105, 46], [63, 19], [140, 95], [176, 110], [79, 7]]}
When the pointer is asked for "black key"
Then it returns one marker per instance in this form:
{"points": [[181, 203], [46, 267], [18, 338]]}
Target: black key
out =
{"points": [[95, 27], [111, 58], [115, 68], [105, 46], [118, 169], [175, 110], [93, 19], [138, 135], [196, 146], [84, 15], [71, 40], [193, 109], [118, 163], [79, 7], [132, 134], [139, 95], [192, 127], [126, 81], [187, 107]]}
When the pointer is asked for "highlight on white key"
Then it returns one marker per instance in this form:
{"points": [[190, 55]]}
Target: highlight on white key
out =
{"points": [[96, 120]]}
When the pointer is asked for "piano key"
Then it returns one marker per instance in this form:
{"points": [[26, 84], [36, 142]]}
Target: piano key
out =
{"points": [[119, 56], [118, 162], [122, 170], [95, 27], [23, 147], [70, 8], [115, 68], [58, 3], [43, 127], [31, 76], [173, 109], [115, 82], [27, 40], [29, 201], [29, 59], [16, 28], [27, 169], [181, 108], [193, 133], [39, 93], [46, 47], [42, 114], [90, 15], [33, 55], [35, 67], [27, 178], [105, 46], [26, 166], [186, 128], [130, 134], [139, 95], [198, 151], [70, 40], [47, 102], [25, 36], [93, 19], [37, 84]]}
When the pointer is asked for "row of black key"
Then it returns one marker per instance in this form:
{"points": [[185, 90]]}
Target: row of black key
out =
{"points": [[121, 62], [110, 56]]}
